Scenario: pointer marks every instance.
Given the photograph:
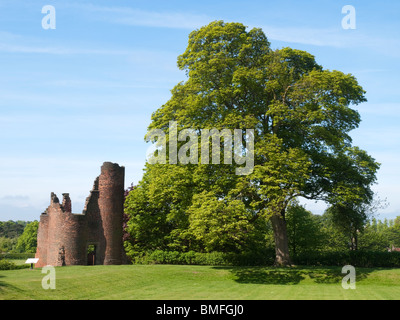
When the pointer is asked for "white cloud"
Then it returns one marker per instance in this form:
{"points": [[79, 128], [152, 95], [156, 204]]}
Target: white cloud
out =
{"points": [[302, 35], [138, 17], [184, 20], [28, 213], [334, 37], [19, 201], [57, 50], [16, 43]]}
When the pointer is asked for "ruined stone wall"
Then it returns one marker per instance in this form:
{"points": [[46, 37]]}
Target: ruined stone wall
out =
{"points": [[111, 204], [95, 232], [63, 237], [42, 240]]}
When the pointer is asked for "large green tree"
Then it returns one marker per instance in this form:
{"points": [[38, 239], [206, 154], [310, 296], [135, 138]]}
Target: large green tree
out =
{"points": [[301, 116]]}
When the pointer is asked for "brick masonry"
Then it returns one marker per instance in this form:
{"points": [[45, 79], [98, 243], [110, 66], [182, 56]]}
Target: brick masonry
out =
{"points": [[64, 237]]}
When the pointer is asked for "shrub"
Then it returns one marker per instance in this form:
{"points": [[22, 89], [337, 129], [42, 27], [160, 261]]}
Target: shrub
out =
{"points": [[266, 257], [8, 265], [209, 258], [358, 258], [16, 255]]}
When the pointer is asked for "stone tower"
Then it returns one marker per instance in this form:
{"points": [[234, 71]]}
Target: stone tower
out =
{"points": [[111, 204], [65, 238]]}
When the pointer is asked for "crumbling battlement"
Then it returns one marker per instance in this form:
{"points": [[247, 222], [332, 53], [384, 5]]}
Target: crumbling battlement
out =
{"points": [[64, 237]]}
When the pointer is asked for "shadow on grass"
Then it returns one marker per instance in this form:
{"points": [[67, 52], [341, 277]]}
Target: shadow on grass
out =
{"points": [[291, 275], [5, 285], [335, 275]]}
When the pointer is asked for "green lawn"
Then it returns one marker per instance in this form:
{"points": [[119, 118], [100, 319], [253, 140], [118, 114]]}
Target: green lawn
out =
{"points": [[167, 282]]}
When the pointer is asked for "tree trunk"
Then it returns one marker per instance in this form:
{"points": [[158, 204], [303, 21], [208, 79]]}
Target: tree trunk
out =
{"points": [[281, 240]]}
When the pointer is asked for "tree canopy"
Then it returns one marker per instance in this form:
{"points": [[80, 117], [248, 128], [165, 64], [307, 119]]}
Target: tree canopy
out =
{"points": [[301, 115]]}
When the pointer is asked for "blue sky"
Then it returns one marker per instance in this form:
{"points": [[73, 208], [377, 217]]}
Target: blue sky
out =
{"points": [[83, 93]]}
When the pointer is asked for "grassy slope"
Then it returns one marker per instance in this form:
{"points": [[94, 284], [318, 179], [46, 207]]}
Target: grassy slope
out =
{"points": [[199, 282]]}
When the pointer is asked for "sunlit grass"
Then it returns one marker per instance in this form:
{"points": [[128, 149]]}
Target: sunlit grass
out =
{"points": [[168, 282]]}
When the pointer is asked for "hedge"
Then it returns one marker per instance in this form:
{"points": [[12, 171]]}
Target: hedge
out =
{"points": [[9, 265], [357, 258], [200, 258], [16, 256]]}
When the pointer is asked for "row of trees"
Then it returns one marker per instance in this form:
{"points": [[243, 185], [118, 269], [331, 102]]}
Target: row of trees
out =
{"points": [[306, 232], [212, 225], [12, 229], [18, 236]]}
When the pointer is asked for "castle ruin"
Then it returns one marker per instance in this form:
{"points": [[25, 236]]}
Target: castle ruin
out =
{"points": [[91, 238]]}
